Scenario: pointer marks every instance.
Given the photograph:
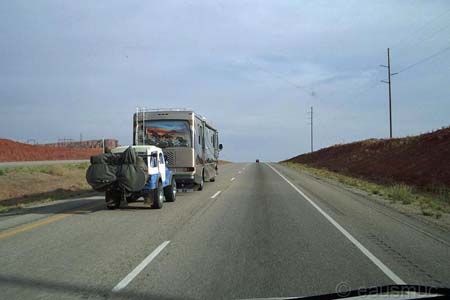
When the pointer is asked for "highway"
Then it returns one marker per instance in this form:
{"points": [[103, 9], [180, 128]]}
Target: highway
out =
{"points": [[261, 230]]}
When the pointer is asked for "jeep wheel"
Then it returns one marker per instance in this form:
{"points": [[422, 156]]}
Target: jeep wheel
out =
{"points": [[170, 191], [111, 202], [148, 199], [158, 197], [111, 206]]}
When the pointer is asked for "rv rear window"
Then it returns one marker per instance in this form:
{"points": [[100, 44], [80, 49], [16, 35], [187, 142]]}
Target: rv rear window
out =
{"points": [[167, 133]]}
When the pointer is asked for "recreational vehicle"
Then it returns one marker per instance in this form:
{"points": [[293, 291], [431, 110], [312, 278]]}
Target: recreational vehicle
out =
{"points": [[190, 143]]}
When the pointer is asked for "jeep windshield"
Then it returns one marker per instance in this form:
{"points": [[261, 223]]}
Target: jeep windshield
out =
{"points": [[166, 133]]}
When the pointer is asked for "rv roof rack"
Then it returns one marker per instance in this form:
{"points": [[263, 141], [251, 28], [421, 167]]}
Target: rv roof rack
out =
{"points": [[144, 109]]}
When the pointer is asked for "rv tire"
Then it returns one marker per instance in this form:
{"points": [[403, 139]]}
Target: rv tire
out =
{"points": [[202, 182]]}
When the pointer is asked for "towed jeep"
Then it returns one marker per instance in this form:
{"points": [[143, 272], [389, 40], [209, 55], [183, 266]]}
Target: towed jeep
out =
{"points": [[131, 172]]}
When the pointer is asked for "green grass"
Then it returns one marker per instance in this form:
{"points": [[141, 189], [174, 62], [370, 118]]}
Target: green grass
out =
{"points": [[4, 209], [431, 204], [402, 193], [443, 193]]}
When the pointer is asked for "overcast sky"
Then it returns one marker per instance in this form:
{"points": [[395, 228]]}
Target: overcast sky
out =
{"points": [[253, 68]]}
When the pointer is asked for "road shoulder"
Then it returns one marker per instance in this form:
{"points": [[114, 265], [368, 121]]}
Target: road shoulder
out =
{"points": [[411, 211]]}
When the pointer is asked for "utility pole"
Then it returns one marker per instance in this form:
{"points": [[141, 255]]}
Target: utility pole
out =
{"points": [[311, 123], [390, 92]]}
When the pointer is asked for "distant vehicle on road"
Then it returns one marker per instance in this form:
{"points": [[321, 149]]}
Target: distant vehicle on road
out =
{"points": [[257, 161], [190, 143]]}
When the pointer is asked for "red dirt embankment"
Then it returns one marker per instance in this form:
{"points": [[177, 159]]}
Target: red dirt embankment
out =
{"points": [[15, 151], [422, 161]]}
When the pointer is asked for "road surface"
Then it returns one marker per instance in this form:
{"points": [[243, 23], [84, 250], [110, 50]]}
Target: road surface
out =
{"points": [[259, 231]]}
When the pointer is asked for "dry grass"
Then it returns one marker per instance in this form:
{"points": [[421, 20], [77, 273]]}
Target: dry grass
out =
{"points": [[56, 170], [41, 183]]}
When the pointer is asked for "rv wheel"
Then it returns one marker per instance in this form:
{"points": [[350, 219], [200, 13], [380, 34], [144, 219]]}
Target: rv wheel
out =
{"points": [[202, 183]]}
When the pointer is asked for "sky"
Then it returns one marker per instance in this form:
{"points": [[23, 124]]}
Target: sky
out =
{"points": [[253, 68]]}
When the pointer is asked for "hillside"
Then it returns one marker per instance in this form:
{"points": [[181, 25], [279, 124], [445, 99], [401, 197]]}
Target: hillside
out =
{"points": [[422, 161], [15, 151]]}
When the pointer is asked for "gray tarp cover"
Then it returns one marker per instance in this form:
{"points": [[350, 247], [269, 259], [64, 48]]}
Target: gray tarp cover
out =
{"points": [[126, 169]]}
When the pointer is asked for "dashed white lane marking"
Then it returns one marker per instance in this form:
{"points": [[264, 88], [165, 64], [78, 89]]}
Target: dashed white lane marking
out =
{"points": [[239, 172], [389, 273], [122, 284], [232, 179], [215, 195]]}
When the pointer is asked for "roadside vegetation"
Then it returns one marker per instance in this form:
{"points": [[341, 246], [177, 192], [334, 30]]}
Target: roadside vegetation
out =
{"points": [[432, 204], [24, 186]]}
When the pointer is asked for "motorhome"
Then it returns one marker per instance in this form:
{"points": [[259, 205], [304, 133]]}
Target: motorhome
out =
{"points": [[190, 143]]}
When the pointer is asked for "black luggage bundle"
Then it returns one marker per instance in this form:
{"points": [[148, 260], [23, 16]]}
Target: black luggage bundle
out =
{"points": [[125, 171]]}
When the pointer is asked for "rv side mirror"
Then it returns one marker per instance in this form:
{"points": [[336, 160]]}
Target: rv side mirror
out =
{"points": [[220, 146], [165, 159]]}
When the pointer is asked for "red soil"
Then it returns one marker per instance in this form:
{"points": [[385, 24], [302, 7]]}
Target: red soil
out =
{"points": [[15, 151], [422, 161]]}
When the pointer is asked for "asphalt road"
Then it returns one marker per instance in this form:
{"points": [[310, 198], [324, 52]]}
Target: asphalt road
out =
{"points": [[267, 233]]}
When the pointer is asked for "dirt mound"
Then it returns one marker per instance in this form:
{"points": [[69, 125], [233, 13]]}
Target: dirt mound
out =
{"points": [[15, 151], [422, 161]]}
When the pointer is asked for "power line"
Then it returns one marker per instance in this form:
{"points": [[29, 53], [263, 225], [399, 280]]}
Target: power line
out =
{"points": [[433, 34], [364, 90], [423, 60], [278, 76], [427, 38], [309, 92], [421, 28]]}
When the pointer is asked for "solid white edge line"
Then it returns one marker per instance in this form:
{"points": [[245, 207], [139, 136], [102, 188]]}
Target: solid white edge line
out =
{"points": [[124, 282], [232, 179], [385, 269], [215, 195]]}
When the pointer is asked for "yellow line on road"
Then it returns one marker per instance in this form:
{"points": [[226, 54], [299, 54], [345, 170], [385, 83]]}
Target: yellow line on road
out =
{"points": [[43, 222]]}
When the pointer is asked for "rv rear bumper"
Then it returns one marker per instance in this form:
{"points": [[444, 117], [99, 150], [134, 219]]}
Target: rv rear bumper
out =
{"points": [[184, 181]]}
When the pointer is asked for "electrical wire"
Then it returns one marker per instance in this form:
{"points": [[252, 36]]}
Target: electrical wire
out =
{"points": [[423, 60], [421, 28], [432, 35], [309, 92]]}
